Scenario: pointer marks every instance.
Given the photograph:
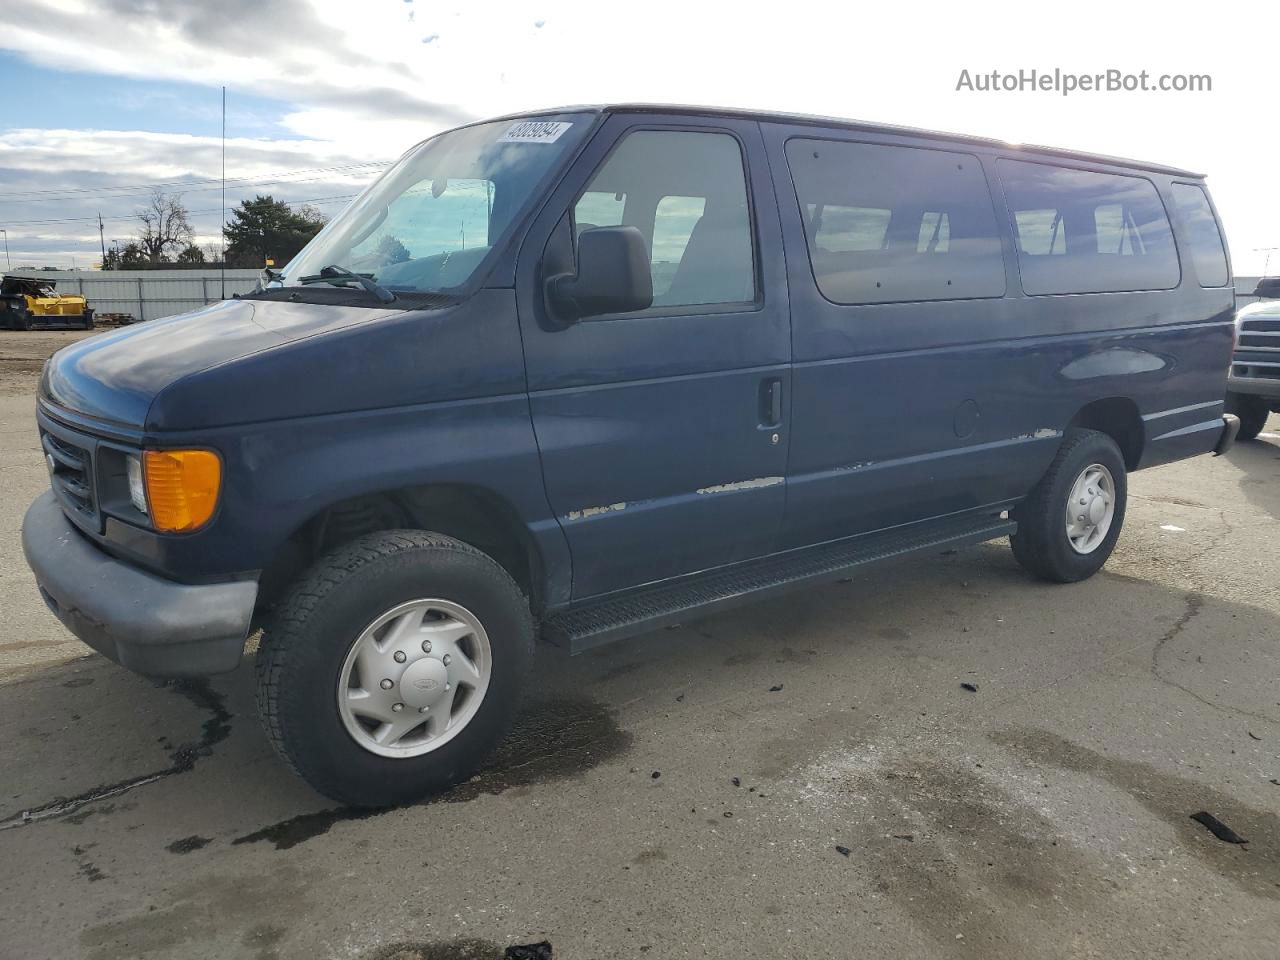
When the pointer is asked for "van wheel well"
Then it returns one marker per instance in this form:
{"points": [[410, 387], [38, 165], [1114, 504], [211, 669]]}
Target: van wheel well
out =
{"points": [[471, 516], [1119, 419]]}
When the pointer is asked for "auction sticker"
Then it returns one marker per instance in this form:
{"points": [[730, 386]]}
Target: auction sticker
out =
{"points": [[535, 131]]}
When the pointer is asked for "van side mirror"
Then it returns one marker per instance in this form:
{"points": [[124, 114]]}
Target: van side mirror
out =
{"points": [[613, 276]]}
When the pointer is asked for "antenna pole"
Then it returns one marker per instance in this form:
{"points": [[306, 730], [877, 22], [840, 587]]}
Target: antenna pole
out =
{"points": [[222, 218]]}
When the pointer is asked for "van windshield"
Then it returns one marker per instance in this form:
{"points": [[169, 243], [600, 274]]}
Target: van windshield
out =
{"points": [[428, 222]]}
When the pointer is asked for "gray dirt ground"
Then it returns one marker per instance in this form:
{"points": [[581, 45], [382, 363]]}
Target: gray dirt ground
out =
{"points": [[1046, 815]]}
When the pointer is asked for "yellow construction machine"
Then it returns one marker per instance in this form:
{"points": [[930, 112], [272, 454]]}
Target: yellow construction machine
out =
{"points": [[29, 303]]}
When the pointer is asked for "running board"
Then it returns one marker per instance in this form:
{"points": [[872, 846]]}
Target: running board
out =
{"points": [[610, 618]]}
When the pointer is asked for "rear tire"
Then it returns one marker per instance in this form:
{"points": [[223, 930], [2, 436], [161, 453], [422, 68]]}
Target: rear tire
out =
{"points": [[328, 623], [1252, 411], [1064, 549]]}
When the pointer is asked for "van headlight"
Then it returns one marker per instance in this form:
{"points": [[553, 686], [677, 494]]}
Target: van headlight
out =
{"points": [[137, 489]]}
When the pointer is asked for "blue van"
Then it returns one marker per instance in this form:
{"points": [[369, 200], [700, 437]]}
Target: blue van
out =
{"points": [[595, 370]]}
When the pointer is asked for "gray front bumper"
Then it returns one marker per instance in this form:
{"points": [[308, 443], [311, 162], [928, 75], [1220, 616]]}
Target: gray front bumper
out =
{"points": [[146, 623], [1256, 386]]}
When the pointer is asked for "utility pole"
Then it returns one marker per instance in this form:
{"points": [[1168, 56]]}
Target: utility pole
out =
{"points": [[102, 239], [8, 264]]}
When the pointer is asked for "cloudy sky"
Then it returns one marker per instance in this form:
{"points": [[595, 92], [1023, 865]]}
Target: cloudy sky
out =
{"points": [[100, 99]]}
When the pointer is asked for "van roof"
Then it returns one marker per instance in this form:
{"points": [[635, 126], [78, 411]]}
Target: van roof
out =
{"points": [[804, 119]]}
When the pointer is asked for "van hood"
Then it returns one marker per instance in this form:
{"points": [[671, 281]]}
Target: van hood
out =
{"points": [[115, 376]]}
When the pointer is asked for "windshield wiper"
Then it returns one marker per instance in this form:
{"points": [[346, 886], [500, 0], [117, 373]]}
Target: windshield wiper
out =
{"points": [[334, 272]]}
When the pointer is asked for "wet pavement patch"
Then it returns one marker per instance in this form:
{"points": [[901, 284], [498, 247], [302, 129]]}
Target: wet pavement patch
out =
{"points": [[305, 826], [977, 856], [90, 872], [188, 844], [215, 729], [1255, 868], [201, 915], [552, 740], [84, 866]]}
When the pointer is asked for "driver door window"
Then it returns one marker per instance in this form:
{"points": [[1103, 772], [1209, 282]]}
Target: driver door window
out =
{"points": [[687, 195]]}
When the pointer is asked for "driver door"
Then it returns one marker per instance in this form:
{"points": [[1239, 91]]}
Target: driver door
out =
{"points": [[663, 432]]}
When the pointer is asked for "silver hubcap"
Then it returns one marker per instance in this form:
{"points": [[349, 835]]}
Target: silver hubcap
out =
{"points": [[414, 678], [1090, 508]]}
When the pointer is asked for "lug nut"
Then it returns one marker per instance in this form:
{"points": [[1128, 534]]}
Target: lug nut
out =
{"points": [[448, 686], [426, 646], [386, 684], [397, 707], [445, 660], [398, 656], [423, 709]]}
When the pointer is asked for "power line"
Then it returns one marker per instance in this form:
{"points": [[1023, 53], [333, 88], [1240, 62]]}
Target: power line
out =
{"points": [[42, 196]]}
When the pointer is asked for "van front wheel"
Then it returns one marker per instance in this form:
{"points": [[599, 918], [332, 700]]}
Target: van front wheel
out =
{"points": [[1252, 411], [1069, 524], [394, 667]]}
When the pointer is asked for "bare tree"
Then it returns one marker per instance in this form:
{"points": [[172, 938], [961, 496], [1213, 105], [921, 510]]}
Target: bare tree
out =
{"points": [[313, 214], [165, 226]]}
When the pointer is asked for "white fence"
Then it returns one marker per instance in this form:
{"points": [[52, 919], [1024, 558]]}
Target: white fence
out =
{"points": [[148, 294], [1244, 290]]}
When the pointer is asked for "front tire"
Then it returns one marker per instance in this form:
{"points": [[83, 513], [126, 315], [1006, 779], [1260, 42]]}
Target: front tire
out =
{"points": [[1251, 410], [1069, 524], [393, 667]]}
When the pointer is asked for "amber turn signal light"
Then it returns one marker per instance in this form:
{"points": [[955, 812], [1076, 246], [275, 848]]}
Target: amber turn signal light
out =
{"points": [[182, 488]]}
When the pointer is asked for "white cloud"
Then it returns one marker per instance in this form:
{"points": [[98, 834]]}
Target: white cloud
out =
{"points": [[363, 83], [89, 172]]}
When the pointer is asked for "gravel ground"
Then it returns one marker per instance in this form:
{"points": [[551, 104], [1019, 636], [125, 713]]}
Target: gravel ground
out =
{"points": [[659, 799]]}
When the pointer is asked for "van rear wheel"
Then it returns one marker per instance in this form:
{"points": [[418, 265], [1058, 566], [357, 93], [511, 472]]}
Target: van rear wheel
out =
{"points": [[394, 667], [1069, 524]]}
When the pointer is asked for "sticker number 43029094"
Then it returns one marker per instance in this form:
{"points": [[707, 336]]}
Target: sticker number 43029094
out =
{"points": [[535, 131]]}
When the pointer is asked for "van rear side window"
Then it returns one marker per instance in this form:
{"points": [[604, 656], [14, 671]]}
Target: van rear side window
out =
{"points": [[893, 224], [1208, 254], [1079, 231]]}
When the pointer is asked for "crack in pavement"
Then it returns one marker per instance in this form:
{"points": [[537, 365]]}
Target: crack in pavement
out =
{"points": [[1194, 604], [213, 731]]}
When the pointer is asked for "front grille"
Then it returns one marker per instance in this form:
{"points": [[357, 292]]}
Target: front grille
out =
{"points": [[1260, 334], [70, 473]]}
